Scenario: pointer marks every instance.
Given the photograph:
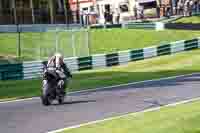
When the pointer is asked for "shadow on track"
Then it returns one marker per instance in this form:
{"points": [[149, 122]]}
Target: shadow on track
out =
{"points": [[73, 102]]}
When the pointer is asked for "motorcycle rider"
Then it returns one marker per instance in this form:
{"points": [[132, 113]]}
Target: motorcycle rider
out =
{"points": [[62, 71]]}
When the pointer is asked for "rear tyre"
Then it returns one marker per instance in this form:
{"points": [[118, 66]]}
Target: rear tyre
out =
{"points": [[61, 100]]}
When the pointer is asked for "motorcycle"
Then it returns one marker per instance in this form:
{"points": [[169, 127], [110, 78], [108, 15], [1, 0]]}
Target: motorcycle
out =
{"points": [[50, 87]]}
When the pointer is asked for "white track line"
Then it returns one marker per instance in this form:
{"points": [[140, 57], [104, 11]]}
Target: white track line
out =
{"points": [[126, 115], [20, 100], [134, 83], [103, 88]]}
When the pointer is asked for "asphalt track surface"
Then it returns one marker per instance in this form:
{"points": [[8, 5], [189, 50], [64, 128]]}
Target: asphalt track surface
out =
{"points": [[31, 117]]}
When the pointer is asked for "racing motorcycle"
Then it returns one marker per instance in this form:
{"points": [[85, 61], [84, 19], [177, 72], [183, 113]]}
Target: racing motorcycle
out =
{"points": [[50, 87]]}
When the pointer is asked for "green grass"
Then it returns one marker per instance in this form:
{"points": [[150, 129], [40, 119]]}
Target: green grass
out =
{"points": [[181, 63], [183, 118], [190, 20], [105, 41], [35, 45]]}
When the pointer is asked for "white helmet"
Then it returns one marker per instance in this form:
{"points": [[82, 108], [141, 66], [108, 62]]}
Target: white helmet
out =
{"points": [[58, 55], [59, 59]]}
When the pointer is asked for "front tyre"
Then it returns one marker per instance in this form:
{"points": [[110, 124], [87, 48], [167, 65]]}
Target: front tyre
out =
{"points": [[45, 100]]}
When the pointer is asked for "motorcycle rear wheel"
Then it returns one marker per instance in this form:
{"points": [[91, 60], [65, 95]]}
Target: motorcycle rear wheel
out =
{"points": [[61, 99]]}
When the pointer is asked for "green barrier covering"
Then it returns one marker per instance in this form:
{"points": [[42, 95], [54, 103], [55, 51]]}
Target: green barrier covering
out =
{"points": [[11, 71], [164, 50], [112, 59], [85, 63], [191, 44], [137, 55]]}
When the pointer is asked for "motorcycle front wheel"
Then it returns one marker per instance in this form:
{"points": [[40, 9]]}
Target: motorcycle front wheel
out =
{"points": [[45, 100]]}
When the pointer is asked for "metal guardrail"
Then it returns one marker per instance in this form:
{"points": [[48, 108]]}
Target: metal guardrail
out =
{"points": [[29, 70], [126, 25]]}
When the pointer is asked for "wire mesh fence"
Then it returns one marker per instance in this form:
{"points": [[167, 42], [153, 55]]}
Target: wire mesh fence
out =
{"points": [[38, 42], [31, 44], [8, 44]]}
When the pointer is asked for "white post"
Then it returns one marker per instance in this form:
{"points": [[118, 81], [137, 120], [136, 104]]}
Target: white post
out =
{"points": [[102, 19], [40, 54], [57, 41], [88, 41], [12, 4], [51, 11], [160, 26], [73, 44], [15, 12], [59, 5], [131, 6], [0, 9], [65, 10], [32, 11]]}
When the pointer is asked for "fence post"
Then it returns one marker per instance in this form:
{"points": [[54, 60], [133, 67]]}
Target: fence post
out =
{"points": [[88, 37], [73, 43], [19, 41], [89, 41], [57, 39], [40, 48]]}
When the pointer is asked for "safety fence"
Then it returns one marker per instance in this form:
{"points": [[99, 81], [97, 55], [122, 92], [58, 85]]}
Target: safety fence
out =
{"points": [[38, 42], [30, 70]]}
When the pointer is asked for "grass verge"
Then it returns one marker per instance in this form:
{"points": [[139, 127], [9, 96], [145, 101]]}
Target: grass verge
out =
{"points": [[106, 41], [35, 45], [183, 118], [159, 67]]}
